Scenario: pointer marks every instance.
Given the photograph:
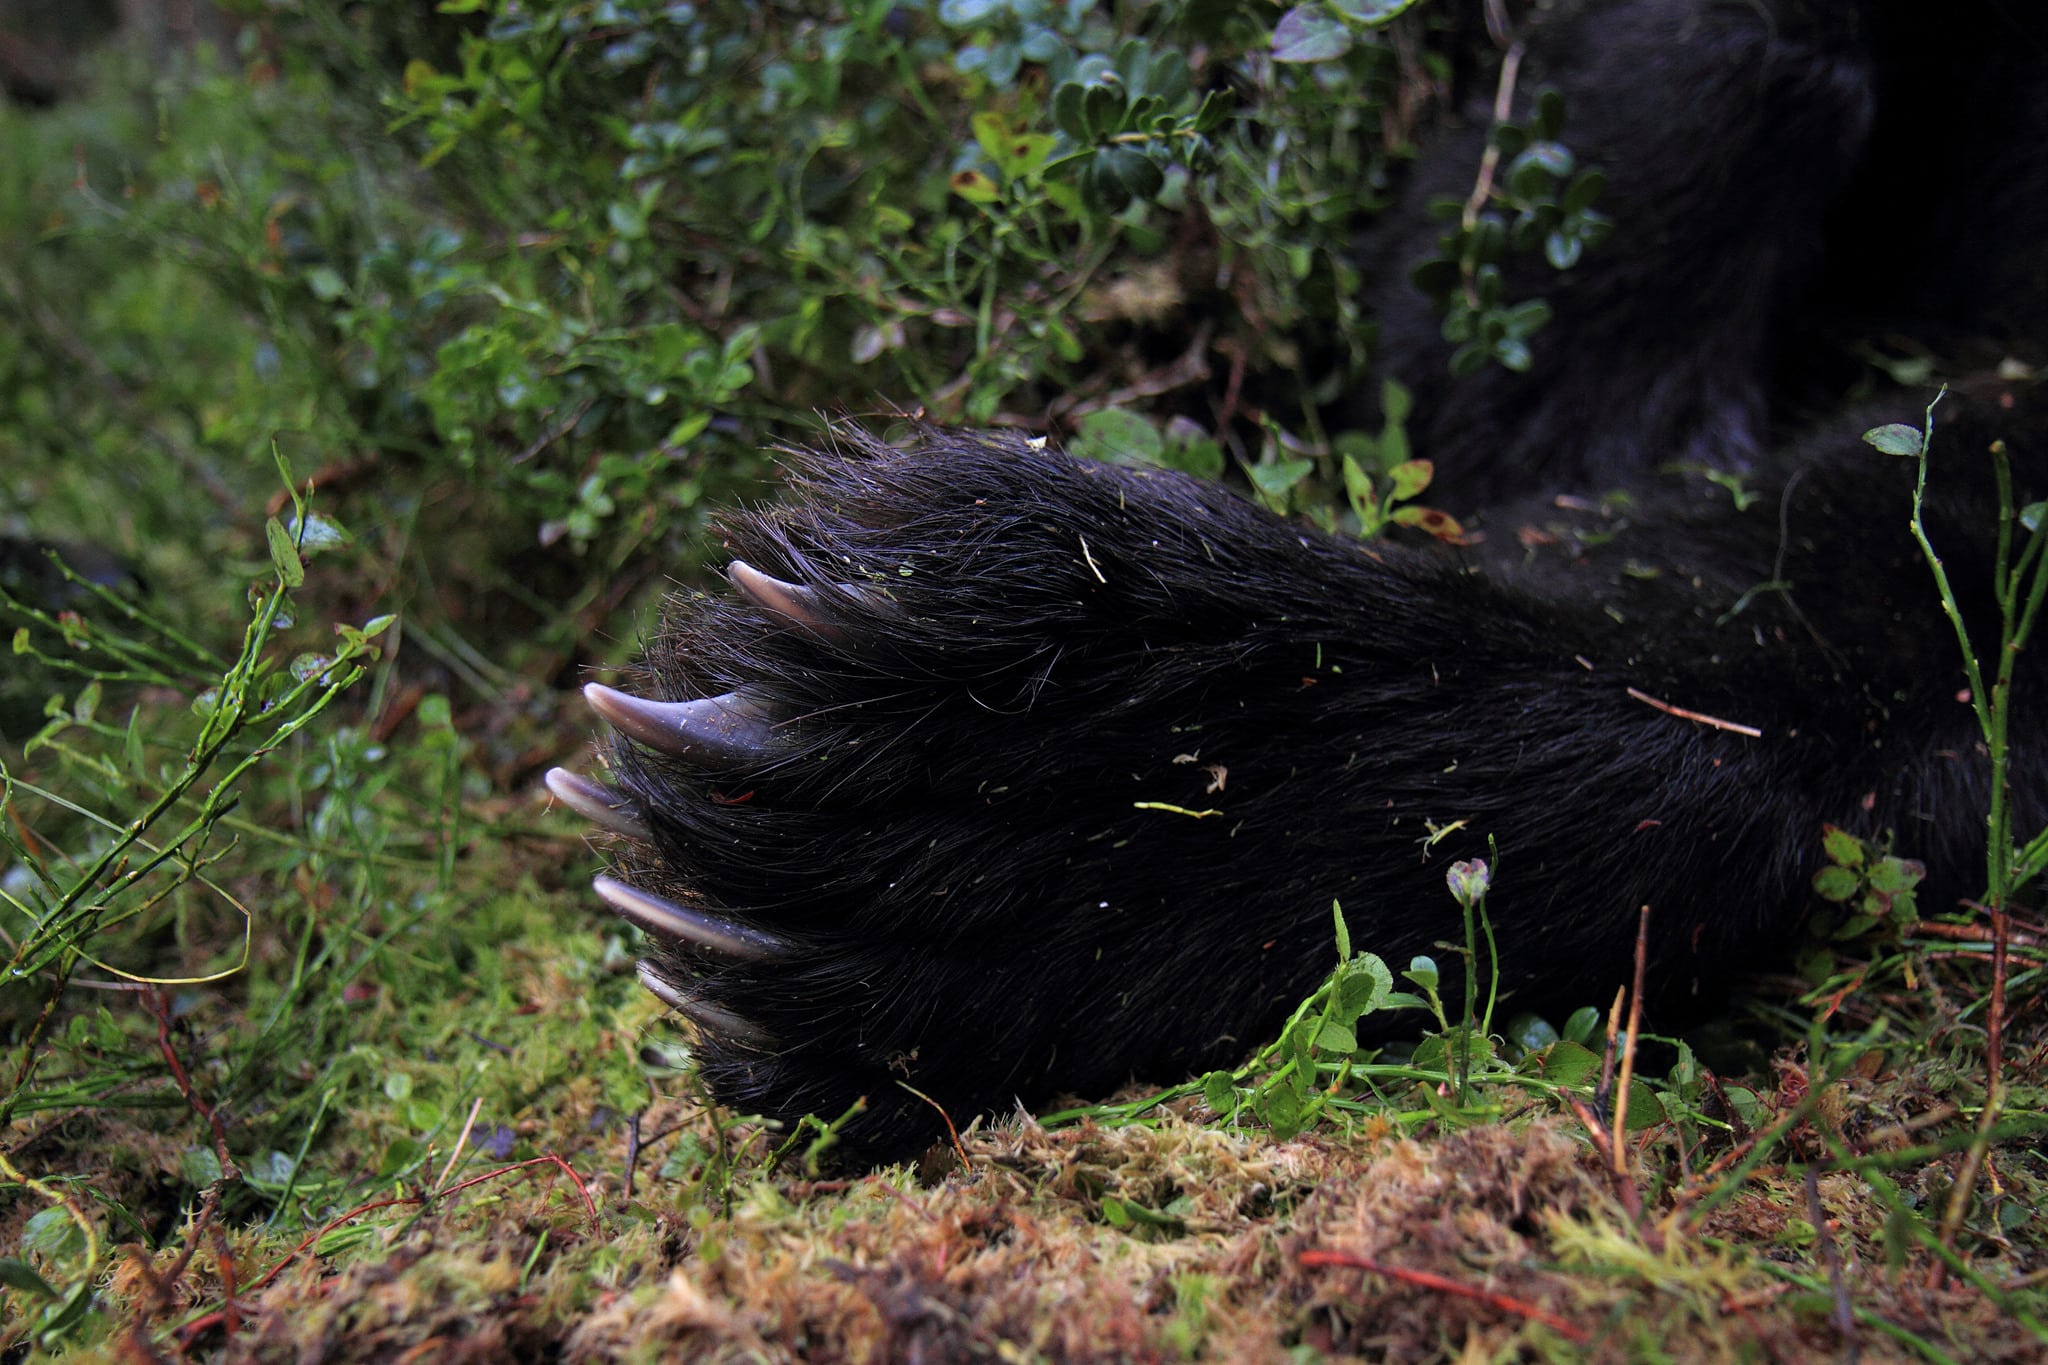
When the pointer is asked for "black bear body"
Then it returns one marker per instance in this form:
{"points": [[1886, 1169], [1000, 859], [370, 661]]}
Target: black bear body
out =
{"points": [[1003, 774]]}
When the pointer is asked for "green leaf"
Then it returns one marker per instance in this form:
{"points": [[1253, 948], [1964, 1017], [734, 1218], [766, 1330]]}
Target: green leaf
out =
{"points": [[1027, 154], [1067, 113], [1395, 403], [307, 667], [1119, 436], [1469, 1048], [318, 533], [1133, 170], [1436, 277], [1841, 846], [1837, 884], [1364, 984], [1562, 250], [1102, 111], [53, 1233], [284, 555], [1279, 1109], [272, 1170], [16, 1274], [1219, 1091], [1343, 932], [1896, 876], [1894, 439], [60, 1319], [200, 1166], [1583, 1023], [1526, 319], [1422, 971], [326, 283], [1531, 1032], [1125, 1213], [1645, 1109], [1277, 478], [1200, 456], [626, 219], [1335, 1037], [1309, 33], [967, 13], [1584, 189], [992, 131], [1358, 488], [975, 187], [1411, 477], [1468, 359], [1105, 191], [1372, 13]]}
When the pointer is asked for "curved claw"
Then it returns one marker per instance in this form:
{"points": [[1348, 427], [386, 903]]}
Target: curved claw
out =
{"points": [[725, 731], [792, 602], [704, 1015], [664, 918], [597, 803]]}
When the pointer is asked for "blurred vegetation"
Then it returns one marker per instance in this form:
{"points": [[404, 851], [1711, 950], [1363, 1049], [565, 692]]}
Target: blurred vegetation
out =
{"points": [[373, 375]]}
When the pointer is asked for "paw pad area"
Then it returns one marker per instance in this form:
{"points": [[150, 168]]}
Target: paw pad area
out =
{"points": [[892, 803]]}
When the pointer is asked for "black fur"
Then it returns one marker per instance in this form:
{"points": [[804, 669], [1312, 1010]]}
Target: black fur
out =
{"points": [[1787, 178], [1063, 790]]}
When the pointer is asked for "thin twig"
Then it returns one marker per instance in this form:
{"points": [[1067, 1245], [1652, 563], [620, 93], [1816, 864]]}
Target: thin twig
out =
{"points": [[1489, 160], [1423, 1279], [1625, 1192], [1979, 1151], [632, 1150], [1613, 1049], [460, 1142], [1969, 933], [1844, 1315], [959, 1147], [1713, 722], [224, 1262], [160, 1007], [1628, 1046]]}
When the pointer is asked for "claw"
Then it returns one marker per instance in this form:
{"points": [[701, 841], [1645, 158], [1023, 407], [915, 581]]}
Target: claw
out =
{"points": [[597, 803], [706, 1016], [664, 918], [725, 731], [792, 602]]}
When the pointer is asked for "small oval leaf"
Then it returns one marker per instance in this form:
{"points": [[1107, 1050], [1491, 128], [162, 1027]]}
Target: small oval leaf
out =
{"points": [[1309, 33]]}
